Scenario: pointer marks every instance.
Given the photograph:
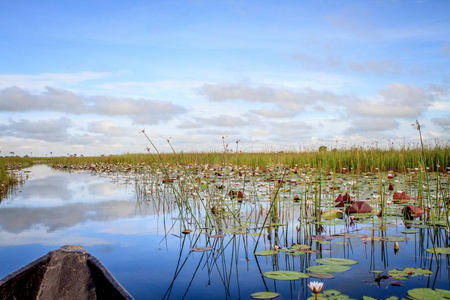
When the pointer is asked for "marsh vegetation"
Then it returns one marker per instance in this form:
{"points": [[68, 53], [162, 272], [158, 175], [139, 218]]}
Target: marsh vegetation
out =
{"points": [[367, 223]]}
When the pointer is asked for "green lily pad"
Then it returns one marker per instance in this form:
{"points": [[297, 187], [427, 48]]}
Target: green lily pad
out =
{"points": [[425, 293], [441, 250], [331, 293], [285, 275], [445, 293], [319, 297], [300, 246], [336, 261], [296, 253], [330, 222], [264, 295], [409, 231], [332, 214], [266, 252], [422, 226], [328, 268]]}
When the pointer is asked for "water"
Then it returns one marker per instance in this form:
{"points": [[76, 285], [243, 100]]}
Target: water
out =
{"points": [[104, 214]]}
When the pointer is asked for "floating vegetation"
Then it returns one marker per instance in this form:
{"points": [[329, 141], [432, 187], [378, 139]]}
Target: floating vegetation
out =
{"points": [[285, 275], [328, 268], [264, 295], [429, 294], [336, 261], [439, 250]]}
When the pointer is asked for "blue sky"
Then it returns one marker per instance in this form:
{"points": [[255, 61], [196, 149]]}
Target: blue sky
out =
{"points": [[85, 77]]}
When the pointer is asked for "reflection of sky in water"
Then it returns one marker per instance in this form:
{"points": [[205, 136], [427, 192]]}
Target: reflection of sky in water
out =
{"points": [[55, 208]]}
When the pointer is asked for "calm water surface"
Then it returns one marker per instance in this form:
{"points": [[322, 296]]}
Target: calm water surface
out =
{"points": [[101, 213]]}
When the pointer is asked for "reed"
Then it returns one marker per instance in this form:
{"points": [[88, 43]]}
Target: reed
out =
{"points": [[357, 159]]}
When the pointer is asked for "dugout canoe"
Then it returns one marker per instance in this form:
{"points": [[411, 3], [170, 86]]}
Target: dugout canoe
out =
{"points": [[69, 272]]}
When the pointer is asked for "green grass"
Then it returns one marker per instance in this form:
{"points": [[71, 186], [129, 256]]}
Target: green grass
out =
{"points": [[7, 179], [354, 160]]}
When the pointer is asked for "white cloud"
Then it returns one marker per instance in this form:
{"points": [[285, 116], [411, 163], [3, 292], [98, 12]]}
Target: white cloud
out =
{"points": [[223, 121], [45, 130], [273, 113], [108, 128], [398, 101], [141, 111]]}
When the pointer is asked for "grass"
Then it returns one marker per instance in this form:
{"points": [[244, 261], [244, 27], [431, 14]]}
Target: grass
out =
{"points": [[354, 160], [7, 166]]}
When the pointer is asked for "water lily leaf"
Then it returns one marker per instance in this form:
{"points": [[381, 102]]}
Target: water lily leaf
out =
{"points": [[201, 249], [319, 297], [409, 231], [359, 207], [332, 214], [264, 295], [410, 212], [330, 222], [321, 237], [394, 238], [424, 293], [400, 196], [349, 235], [422, 226], [328, 268], [324, 243], [285, 275], [444, 293], [297, 253], [321, 275], [300, 246], [439, 250], [266, 252], [331, 293], [336, 261], [419, 271]]}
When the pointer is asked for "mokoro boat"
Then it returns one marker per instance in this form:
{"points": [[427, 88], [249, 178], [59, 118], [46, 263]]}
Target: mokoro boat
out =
{"points": [[66, 273]]}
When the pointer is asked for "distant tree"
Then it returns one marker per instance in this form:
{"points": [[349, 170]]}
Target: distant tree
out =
{"points": [[322, 149]]}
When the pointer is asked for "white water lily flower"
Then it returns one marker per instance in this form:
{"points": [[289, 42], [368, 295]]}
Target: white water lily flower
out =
{"points": [[315, 286]]}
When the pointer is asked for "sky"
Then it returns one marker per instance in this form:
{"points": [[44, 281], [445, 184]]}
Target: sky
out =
{"points": [[86, 77]]}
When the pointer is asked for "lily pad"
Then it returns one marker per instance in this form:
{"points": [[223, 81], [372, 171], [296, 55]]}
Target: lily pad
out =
{"points": [[321, 275], [297, 253], [331, 293], [426, 293], [336, 261], [409, 231], [332, 214], [328, 268], [441, 250], [300, 246], [266, 252], [285, 275], [394, 238], [264, 295]]}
